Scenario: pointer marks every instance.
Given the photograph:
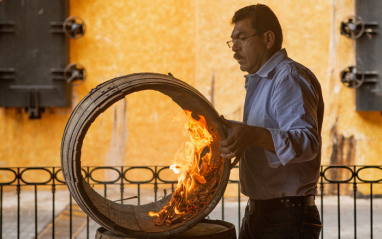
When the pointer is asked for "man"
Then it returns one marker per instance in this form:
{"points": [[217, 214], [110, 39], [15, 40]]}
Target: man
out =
{"points": [[279, 143]]}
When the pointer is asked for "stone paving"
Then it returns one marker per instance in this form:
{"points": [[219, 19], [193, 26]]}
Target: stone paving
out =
{"points": [[28, 229]]}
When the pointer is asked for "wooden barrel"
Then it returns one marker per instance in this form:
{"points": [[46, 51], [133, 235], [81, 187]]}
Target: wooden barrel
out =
{"points": [[125, 219], [205, 229]]}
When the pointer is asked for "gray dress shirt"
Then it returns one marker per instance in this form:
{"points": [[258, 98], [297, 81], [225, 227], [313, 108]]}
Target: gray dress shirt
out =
{"points": [[284, 97]]}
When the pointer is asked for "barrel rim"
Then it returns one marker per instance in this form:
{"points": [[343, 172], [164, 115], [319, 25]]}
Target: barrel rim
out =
{"points": [[96, 102], [230, 228]]}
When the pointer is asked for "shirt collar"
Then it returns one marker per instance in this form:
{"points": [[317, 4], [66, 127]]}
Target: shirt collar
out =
{"points": [[269, 65]]}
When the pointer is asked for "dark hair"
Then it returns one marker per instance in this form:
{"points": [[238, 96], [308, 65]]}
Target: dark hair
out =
{"points": [[262, 19]]}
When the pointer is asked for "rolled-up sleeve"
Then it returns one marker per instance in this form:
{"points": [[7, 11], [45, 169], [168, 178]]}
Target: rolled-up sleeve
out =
{"points": [[294, 105]]}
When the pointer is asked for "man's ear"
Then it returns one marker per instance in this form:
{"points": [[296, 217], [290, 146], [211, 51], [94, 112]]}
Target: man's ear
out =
{"points": [[269, 38]]}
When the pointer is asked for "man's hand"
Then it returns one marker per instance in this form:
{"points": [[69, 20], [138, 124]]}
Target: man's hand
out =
{"points": [[237, 141], [241, 137]]}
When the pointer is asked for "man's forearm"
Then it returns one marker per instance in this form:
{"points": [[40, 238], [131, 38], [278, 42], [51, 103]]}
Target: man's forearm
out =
{"points": [[262, 137], [243, 136]]}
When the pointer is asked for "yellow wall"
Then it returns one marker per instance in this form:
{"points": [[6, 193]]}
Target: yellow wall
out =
{"points": [[188, 38]]}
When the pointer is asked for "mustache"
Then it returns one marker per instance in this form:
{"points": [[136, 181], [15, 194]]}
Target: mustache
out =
{"points": [[237, 56]]}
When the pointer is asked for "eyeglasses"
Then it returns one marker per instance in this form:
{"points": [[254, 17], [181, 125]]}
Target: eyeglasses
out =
{"points": [[239, 41]]}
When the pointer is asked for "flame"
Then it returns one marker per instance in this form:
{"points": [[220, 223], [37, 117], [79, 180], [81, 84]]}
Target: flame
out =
{"points": [[175, 168], [153, 214], [192, 166]]}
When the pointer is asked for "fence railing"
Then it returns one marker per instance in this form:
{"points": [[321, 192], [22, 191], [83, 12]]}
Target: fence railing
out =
{"points": [[34, 201]]}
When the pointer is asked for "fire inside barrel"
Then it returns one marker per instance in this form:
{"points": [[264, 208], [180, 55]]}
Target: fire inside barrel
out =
{"points": [[197, 181]]}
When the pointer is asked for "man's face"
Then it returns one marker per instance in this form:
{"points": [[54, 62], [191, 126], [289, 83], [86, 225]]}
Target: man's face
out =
{"points": [[252, 53]]}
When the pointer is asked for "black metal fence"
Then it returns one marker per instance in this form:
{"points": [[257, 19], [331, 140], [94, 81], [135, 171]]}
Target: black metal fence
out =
{"points": [[34, 201]]}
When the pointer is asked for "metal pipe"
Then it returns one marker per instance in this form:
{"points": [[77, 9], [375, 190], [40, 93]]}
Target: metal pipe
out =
{"points": [[338, 210], [35, 212], [371, 210]]}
